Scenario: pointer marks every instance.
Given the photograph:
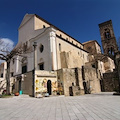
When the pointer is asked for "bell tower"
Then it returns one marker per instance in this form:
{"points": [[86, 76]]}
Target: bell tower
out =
{"points": [[108, 38]]}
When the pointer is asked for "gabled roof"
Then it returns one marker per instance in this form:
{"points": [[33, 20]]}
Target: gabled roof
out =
{"points": [[91, 41], [105, 23], [55, 27], [26, 18]]}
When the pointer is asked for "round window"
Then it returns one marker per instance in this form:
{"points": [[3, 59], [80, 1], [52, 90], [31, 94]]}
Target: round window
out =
{"points": [[41, 48]]}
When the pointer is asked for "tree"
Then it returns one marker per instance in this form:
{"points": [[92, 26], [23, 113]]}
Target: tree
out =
{"points": [[7, 54]]}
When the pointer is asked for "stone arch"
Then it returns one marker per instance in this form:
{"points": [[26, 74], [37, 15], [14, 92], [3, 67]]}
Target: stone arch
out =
{"points": [[110, 50], [49, 86], [107, 33]]}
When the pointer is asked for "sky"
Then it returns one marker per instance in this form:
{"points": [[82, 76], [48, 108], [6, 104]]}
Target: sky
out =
{"points": [[78, 18]]}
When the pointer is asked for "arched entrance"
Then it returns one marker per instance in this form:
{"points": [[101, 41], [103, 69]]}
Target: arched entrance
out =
{"points": [[49, 87], [85, 87], [70, 91], [19, 85]]}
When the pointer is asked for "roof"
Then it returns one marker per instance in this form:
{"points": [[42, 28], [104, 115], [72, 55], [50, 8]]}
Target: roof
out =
{"points": [[91, 41], [26, 18], [55, 27], [105, 23], [29, 16]]}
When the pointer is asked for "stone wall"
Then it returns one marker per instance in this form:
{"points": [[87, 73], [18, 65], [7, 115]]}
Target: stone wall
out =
{"points": [[78, 81], [46, 82], [73, 59], [92, 47], [67, 76], [110, 81], [92, 80], [26, 83]]}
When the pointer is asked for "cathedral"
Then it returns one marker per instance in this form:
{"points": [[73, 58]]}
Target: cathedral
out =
{"points": [[57, 63]]}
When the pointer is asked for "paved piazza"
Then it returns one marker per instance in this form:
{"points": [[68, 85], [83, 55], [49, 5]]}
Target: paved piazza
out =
{"points": [[103, 106]]}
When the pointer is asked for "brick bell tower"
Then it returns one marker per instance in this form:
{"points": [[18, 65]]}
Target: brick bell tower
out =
{"points": [[108, 39]]}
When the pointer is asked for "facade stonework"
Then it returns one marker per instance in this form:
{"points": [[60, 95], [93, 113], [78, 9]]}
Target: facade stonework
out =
{"points": [[108, 38], [59, 65], [111, 77]]}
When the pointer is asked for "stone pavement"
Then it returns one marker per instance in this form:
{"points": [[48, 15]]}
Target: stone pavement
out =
{"points": [[103, 106]]}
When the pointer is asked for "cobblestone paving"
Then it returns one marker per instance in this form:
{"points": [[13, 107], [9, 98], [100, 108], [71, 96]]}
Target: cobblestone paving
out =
{"points": [[103, 106]]}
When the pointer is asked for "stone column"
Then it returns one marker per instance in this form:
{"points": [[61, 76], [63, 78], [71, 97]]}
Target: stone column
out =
{"points": [[53, 48]]}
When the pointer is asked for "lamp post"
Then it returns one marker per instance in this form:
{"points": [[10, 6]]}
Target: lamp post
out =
{"points": [[34, 45]]}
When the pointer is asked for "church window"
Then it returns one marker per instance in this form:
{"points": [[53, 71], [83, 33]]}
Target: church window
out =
{"points": [[93, 65], [24, 65], [43, 26], [83, 73], [41, 48], [2, 75], [12, 74], [112, 51], [41, 66], [107, 33], [59, 47], [24, 69], [60, 35], [89, 48]]}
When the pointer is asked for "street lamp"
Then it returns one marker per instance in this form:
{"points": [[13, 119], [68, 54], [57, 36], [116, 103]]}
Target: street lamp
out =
{"points": [[34, 45]]}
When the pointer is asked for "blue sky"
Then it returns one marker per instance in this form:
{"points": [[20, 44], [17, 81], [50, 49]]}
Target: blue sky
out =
{"points": [[78, 18]]}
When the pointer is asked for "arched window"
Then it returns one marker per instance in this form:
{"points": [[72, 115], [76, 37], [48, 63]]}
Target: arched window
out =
{"points": [[41, 48], [24, 65], [41, 64], [43, 26], [60, 35], [59, 47], [107, 34], [111, 50]]}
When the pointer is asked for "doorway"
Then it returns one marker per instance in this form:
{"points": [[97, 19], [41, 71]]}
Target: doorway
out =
{"points": [[85, 87], [70, 91], [19, 85], [102, 86], [49, 87]]}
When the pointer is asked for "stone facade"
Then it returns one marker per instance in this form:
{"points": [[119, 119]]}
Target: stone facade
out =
{"points": [[110, 81], [63, 65], [46, 82], [110, 48], [79, 81], [23, 82], [108, 38], [92, 47]]}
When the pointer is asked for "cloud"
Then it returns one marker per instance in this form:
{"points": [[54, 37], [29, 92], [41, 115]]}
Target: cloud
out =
{"points": [[8, 41], [7, 44]]}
